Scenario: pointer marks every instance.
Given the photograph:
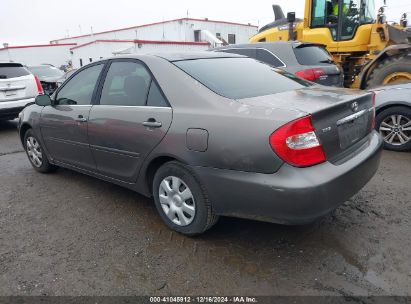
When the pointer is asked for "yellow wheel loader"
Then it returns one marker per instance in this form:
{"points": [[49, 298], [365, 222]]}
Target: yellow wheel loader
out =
{"points": [[371, 51]]}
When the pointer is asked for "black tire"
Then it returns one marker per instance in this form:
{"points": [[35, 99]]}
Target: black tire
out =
{"points": [[45, 166], [388, 66], [386, 115], [204, 217]]}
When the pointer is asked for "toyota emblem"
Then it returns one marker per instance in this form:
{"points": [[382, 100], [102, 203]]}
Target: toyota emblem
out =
{"points": [[354, 106]]}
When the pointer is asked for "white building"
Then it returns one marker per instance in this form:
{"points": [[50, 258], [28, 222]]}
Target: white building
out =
{"points": [[56, 54], [184, 30], [174, 35], [95, 50]]}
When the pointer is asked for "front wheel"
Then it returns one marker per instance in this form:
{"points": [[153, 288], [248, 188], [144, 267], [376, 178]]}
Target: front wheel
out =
{"points": [[394, 125], [182, 200], [36, 154]]}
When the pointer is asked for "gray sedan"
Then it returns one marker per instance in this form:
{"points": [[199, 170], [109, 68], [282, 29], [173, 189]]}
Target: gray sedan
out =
{"points": [[205, 141], [393, 105]]}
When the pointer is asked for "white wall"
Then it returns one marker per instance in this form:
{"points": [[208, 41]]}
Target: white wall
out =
{"points": [[99, 50], [55, 55], [180, 30]]}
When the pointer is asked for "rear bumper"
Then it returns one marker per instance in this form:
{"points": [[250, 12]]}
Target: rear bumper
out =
{"points": [[11, 109], [291, 195]]}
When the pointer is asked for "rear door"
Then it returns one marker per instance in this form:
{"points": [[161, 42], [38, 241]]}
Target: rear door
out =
{"points": [[16, 82], [132, 117], [64, 125]]}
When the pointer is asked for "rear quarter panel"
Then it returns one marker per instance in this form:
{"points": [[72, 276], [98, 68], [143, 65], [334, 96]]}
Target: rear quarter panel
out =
{"points": [[238, 133]]}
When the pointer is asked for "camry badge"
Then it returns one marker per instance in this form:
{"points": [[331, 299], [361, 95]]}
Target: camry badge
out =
{"points": [[354, 106]]}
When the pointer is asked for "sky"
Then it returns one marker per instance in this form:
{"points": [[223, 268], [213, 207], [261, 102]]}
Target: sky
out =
{"points": [[25, 22]]}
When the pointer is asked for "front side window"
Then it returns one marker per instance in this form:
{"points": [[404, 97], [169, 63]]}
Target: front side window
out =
{"points": [[127, 84], [239, 78], [79, 89]]}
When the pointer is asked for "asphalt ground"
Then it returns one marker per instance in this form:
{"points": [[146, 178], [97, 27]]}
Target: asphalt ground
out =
{"points": [[69, 234]]}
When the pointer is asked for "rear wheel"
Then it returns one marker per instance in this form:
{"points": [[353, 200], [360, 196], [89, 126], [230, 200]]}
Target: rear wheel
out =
{"points": [[36, 154], [392, 70], [182, 200], [394, 125]]}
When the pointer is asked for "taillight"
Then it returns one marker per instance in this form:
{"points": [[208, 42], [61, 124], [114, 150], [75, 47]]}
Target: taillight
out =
{"points": [[311, 74], [39, 86], [297, 144]]}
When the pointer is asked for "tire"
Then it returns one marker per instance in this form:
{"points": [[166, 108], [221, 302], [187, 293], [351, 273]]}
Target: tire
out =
{"points": [[383, 123], [169, 191], [34, 151], [389, 66]]}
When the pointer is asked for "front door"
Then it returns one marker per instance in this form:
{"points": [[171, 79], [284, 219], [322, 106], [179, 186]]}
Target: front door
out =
{"points": [[64, 124], [131, 118]]}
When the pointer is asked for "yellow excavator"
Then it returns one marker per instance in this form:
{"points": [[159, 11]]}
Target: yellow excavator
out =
{"points": [[370, 50]]}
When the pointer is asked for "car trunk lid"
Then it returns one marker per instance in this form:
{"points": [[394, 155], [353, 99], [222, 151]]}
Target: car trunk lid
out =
{"points": [[341, 118]]}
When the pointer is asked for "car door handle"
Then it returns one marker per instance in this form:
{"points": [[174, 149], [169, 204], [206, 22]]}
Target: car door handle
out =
{"points": [[81, 118], [152, 123]]}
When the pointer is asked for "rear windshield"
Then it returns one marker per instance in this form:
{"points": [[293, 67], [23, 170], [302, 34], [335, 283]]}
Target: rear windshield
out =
{"points": [[12, 70], [312, 55], [239, 78], [46, 71]]}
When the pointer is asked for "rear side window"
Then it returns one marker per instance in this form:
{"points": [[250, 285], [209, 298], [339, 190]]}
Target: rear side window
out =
{"points": [[126, 84], [155, 97], [238, 78], [312, 55], [10, 70], [267, 57]]}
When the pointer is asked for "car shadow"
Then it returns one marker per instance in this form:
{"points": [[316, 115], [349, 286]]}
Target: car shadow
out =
{"points": [[246, 245]]}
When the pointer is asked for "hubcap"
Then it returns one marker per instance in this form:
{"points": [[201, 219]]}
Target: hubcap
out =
{"points": [[34, 151], [177, 201], [397, 77], [396, 130]]}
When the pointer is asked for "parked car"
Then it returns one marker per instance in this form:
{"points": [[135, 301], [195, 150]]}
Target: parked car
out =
{"points": [[208, 134], [393, 106], [65, 77], [48, 75], [309, 61], [18, 88]]}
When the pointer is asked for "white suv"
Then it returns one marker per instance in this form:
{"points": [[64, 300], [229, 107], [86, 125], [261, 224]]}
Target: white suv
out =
{"points": [[18, 88]]}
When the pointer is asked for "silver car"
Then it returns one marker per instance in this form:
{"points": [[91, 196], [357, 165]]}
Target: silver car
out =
{"points": [[207, 135]]}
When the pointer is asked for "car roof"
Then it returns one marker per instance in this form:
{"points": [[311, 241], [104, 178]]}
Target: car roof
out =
{"points": [[268, 45], [179, 56]]}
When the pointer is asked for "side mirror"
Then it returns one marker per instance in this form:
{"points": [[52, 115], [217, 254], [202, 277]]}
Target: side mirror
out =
{"points": [[43, 100], [291, 17]]}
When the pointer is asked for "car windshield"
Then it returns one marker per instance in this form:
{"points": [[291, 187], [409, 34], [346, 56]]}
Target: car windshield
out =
{"points": [[239, 78], [46, 71]]}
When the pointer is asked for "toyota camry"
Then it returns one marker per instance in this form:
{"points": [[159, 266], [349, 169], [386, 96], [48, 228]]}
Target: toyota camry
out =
{"points": [[207, 135]]}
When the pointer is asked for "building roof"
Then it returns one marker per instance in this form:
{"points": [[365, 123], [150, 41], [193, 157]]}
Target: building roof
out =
{"points": [[140, 41], [151, 24], [37, 46]]}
